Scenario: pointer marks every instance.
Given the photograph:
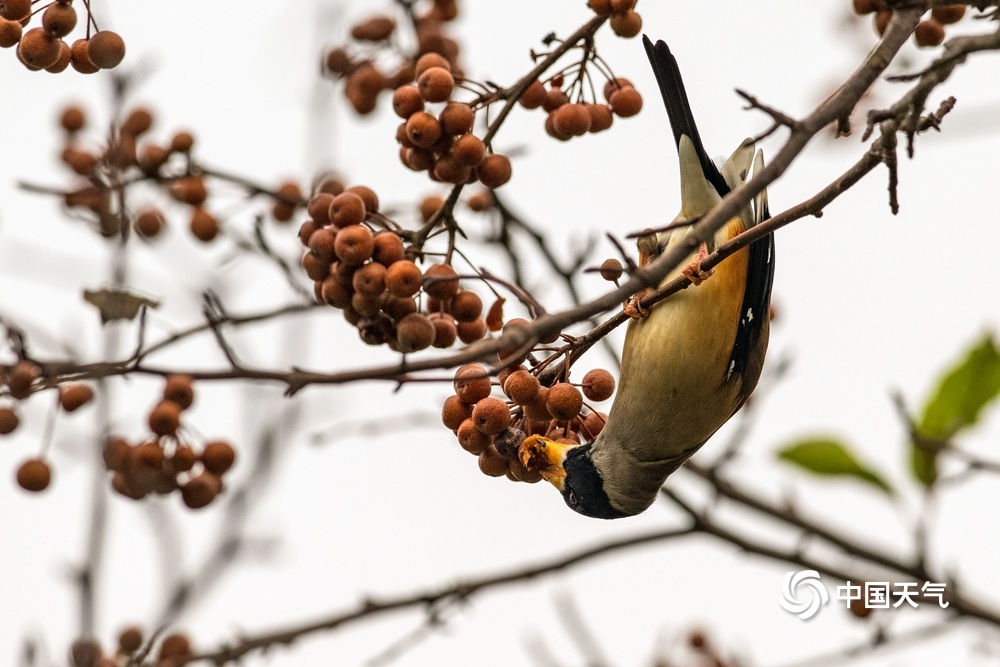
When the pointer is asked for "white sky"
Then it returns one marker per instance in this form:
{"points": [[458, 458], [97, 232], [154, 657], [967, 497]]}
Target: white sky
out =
{"points": [[869, 302]]}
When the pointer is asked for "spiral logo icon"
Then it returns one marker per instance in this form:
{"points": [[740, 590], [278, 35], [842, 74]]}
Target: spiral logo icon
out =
{"points": [[815, 592]]}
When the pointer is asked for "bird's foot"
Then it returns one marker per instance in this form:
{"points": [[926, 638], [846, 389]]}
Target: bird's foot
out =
{"points": [[694, 273], [634, 308]]}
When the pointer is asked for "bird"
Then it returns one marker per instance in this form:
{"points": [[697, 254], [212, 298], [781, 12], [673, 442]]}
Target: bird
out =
{"points": [[690, 362]]}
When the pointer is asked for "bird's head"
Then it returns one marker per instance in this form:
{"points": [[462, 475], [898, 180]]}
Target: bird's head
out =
{"points": [[571, 469]]}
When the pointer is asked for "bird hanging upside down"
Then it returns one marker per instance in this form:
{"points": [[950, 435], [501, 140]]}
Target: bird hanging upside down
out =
{"points": [[692, 361]]}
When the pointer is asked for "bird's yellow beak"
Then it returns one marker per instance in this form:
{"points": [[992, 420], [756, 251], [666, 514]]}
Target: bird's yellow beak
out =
{"points": [[546, 457]]}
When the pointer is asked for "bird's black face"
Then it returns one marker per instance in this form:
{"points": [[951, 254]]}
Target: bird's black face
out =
{"points": [[583, 488]]}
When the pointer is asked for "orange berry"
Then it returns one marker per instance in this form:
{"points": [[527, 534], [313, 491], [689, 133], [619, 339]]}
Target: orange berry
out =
{"points": [[594, 423], [196, 493], [414, 332], [151, 157], [521, 387], [469, 150], [882, 19], [563, 401], [598, 385], [369, 280], [38, 49], [80, 59], [600, 7], [165, 418], [448, 169], [318, 208], [74, 396], [454, 412], [314, 268], [435, 84], [491, 415], [59, 19], [441, 281], [183, 458], [471, 383], [34, 475], [626, 25], [494, 170], [189, 190], [946, 14], [622, 6], [389, 248], [10, 33], [338, 61], [130, 639], [534, 95], [375, 29], [466, 306], [865, 6], [929, 33], [492, 463], [149, 222], [218, 457], [481, 201], [429, 60], [555, 98], [116, 453], [423, 129], [22, 377], [456, 118], [429, 206], [445, 331], [367, 195], [15, 10], [601, 117], [571, 119], [625, 102], [347, 209], [62, 62], [470, 438], [470, 332], [106, 49], [179, 388], [204, 226], [354, 245], [403, 278], [611, 270], [398, 307], [182, 142], [9, 420], [407, 101], [612, 85]]}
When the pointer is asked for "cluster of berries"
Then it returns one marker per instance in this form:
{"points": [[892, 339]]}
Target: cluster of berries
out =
{"points": [[929, 32], [443, 145], [43, 47], [175, 649], [165, 463], [167, 164], [364, 80], [21, 380], [567, 119], [492, 428], [371, 278], [624, 20]]}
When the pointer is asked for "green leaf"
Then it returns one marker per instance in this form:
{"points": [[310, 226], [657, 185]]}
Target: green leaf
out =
{"points": [[827, 456], [962, 393]]}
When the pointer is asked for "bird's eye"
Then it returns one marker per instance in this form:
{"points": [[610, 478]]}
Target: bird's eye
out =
{"points": [[573, 501]]}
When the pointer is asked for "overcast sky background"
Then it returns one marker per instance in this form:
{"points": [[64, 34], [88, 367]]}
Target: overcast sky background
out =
{"points": [[868, 303]]}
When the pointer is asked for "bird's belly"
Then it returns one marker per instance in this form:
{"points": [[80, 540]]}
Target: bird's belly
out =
{"points": [[674, 392]]}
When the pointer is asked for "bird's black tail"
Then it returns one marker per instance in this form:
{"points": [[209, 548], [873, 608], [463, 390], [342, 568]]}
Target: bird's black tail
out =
{"points": [[668, 76]]}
